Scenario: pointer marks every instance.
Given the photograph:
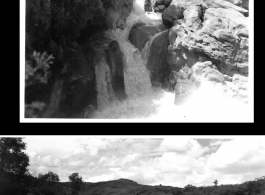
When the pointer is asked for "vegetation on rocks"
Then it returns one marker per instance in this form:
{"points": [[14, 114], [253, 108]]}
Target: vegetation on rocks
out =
{"points": [[62, 28]]}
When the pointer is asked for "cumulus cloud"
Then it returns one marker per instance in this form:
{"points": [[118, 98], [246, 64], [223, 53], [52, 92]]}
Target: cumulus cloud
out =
{"points": [[182, 144], [175, 161], [237, 156], [130, 158], [51, 161]]}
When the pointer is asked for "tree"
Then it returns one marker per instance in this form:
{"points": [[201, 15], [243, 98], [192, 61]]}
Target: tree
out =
{"points": [[12, 158], [76, 181], [49, 177], [215, 182], [13, 166], [254, 187]]}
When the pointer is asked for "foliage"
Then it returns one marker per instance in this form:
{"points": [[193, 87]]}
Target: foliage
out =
{"points": [[49, 177], [47, 184], [13, 159], [255, 187], [13, 167], [37, 68], [37, 72], [215, 182], [76, 181], [188, 187]]}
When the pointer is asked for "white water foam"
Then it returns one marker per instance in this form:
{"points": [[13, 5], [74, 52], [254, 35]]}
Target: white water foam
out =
{"points": [[208, 104]]}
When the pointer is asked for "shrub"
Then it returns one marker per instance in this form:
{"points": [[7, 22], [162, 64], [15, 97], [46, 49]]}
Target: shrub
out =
{"points": [[37, 68], [36, 72]]}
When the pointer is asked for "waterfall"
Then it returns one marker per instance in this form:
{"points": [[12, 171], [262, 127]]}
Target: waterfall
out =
{"points": [[136, 75], [104, 88], [137, 82]]}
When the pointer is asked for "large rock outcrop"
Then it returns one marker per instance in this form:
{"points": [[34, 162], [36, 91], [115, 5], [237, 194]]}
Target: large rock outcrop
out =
{"points": [[216, 29]]}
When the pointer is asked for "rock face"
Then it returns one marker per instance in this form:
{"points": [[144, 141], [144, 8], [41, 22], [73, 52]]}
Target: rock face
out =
{"points": [[211, 29], [115, 62], [157, 59], [153, 38], [241, 3]]}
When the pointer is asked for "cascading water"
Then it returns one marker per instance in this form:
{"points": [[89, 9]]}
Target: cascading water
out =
{"points": [[207, 104], [137, 81], [136, 75], [103, 83]]}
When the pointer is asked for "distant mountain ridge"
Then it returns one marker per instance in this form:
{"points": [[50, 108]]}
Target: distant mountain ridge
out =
{"points": [[128, 187], [125, 186]]}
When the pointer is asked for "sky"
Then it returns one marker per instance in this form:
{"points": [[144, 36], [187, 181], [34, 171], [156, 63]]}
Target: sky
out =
{"points": [[151, 160]]}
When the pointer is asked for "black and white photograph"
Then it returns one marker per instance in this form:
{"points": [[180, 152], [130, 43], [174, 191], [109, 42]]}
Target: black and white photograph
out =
{"points": [[132, 165], [137, 61]]}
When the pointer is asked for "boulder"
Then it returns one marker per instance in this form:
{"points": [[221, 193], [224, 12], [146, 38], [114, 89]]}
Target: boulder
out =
{"points": [[156, 63], [207, 71], [174, 11], [114, 59], [160, 5], [141, 33]]}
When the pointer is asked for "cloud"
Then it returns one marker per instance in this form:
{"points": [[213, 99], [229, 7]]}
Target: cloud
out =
{"points": [[182, 144], [59, 146], [50, 161], [103, 177], [129, 158], [239, 155], [175, 161], [177, 144]]}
